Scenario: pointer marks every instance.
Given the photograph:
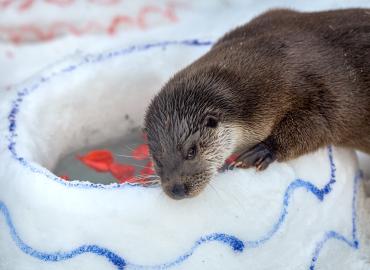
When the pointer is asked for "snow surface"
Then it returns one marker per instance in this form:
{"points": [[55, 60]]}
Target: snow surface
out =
{"points": [[72, 92]]}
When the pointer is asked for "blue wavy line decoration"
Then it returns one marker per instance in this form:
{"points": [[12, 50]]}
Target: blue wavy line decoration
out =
{"points": [[354, 242], [233, 242], [86, 60], [298, 183], [59, 256]]}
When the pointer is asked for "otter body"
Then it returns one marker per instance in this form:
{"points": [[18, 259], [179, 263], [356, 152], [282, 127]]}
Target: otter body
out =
{"points": [[283, 85]]}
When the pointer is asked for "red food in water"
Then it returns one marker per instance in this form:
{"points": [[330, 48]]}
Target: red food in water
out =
{"points": [[141, 152], [122, 172], [103, 161], [99, 160], [148, 170]]}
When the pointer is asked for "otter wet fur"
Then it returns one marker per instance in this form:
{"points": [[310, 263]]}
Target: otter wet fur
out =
{"points": [[283, 85]]}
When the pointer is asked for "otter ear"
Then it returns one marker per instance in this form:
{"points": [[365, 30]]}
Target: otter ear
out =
{"points": [[211, 121]]}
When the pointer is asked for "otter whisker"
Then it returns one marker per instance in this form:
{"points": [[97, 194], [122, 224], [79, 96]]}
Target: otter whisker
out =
{"points": [[145, 179], [121, 155], [237, 202], [130, 148], [218, 194], [145, 176]]}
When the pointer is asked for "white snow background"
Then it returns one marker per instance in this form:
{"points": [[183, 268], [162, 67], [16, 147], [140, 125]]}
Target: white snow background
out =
{"points": [[310, 213]]}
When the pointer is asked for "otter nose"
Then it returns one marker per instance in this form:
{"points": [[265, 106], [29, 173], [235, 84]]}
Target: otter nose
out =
{"points": [[179, 191]]}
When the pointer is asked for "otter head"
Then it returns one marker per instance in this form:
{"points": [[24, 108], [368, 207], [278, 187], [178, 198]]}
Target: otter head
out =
{"points": [[189, 131]]}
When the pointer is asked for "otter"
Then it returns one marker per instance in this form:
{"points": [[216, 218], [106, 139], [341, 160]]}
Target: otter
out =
{"points": [[280, 86]]}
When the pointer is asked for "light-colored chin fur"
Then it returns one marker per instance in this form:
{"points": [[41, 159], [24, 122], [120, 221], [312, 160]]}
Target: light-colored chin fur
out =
{"points": [[234, 133]]}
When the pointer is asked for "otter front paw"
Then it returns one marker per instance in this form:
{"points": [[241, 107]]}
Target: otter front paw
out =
{"points": [[259, 156]]}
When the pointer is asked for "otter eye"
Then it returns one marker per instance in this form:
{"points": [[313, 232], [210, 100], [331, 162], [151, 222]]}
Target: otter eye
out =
{"points": [[191, 153], [159, 164], [211, 122]]}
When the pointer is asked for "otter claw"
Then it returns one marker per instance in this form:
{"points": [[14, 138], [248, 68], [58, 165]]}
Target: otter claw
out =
{"points": [[233, 165], [258, 156]]}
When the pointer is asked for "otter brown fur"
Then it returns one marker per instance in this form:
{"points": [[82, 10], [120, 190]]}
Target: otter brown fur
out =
{"points": [[283, 85]]}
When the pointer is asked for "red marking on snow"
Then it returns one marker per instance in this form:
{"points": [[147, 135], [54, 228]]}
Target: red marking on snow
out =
{"points": [[99, 160], [141, 152], [117, 21], [5, 3], [122, 172], [61, 3], [26, 32], [26, 4], [146, 17], [105, 2], [9, 54], [64, 177], [149, 11]]}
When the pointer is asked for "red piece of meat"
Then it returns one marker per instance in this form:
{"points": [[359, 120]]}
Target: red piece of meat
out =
{"points": [[65, 177], [148, 170], [141, 152], [122, 172], [99, 160]]}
